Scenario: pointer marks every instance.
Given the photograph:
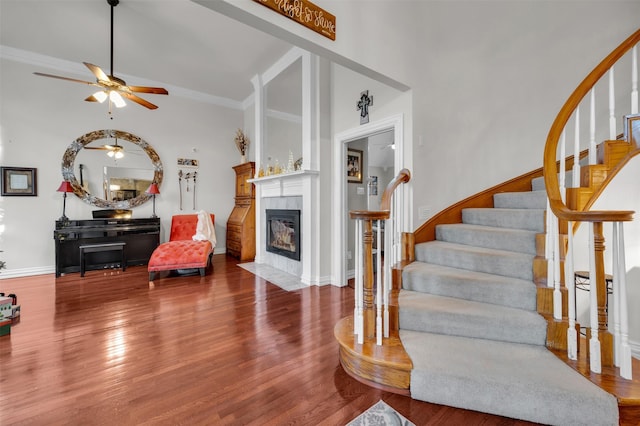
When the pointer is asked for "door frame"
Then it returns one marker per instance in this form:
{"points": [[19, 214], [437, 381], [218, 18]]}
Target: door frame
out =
{"points": [[339, 184]]}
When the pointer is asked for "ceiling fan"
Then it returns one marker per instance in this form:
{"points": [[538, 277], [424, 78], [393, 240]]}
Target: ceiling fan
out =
{"points": [[114, 150], [112, 87]]}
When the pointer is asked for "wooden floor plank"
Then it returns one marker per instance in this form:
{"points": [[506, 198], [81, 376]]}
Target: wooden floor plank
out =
{"points": [[225, 349]]}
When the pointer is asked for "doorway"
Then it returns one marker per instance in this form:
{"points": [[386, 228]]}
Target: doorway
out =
{"points": [[371, 136]]}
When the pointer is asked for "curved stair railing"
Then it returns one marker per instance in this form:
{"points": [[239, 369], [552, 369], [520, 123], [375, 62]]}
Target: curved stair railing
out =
{"points": [[369, 345], [371, 317], [568, 207]]}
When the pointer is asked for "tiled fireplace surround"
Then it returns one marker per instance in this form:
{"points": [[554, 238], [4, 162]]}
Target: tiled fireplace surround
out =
{"points": [[291, 191], [282, 263]]}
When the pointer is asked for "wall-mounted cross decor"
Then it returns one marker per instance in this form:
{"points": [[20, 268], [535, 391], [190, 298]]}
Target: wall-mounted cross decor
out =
{"points": [[363, 105]]}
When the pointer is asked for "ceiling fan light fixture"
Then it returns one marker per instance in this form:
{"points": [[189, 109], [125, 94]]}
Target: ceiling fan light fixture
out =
{"points": [[100, 96], [116, 99], [119, 154]]}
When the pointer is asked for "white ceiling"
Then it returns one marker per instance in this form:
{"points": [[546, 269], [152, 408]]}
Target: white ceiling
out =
{"points": [[168, 42], [176, 44]]}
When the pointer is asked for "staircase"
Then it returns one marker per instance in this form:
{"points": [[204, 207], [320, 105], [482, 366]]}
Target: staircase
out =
{"points": [[472, 322], [468, 321]]}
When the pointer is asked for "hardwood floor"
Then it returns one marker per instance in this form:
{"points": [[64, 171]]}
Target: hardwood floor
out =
{"points": [[225, 349]]}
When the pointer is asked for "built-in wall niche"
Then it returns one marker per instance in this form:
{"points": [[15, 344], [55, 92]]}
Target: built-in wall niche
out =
{"points": [[283, 117]]}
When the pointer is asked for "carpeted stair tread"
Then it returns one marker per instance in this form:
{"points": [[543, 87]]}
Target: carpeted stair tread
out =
{"points": [[521, 200], [514, 380], [537, 184], [492, 261], [529, 219], [470, 285], [459, 317], [517, 240]]}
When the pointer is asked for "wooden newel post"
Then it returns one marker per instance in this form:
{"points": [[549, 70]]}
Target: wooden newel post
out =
{"points": [[368, 306], [600, 287]]}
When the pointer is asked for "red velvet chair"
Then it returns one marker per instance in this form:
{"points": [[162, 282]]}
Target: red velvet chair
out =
{"points": [[181, 251]]}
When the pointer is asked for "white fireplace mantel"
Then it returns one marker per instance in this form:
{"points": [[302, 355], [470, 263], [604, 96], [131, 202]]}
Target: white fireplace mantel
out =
{"points": [[283, 184], [303, 184]]}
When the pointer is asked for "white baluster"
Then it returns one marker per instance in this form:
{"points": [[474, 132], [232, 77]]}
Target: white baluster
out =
{"points": [[387, 276], [634, 80], [592, 127], [594, 344], [557, 294], [615, 300], [575, 174], [625, 350], [379, 285], [548, 248], [358, 318], [612, 106], [569, 279]]}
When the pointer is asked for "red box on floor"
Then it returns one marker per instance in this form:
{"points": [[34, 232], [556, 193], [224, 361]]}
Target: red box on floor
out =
{"points": [[5, 327]]}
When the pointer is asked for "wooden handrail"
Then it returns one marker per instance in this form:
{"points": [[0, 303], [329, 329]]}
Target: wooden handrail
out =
{"points": [[368, 318], [385, 203], [550, 170]]}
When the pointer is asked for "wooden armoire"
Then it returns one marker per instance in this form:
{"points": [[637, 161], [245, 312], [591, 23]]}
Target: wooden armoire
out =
{"points": [[241, 226]]}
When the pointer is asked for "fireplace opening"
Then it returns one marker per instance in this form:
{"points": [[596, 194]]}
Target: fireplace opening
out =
{"points": [[283, 233]]}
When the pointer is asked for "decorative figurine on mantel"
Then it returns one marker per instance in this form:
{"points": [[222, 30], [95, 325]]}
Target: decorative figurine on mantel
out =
{"points": [[290, 163], [242, 143]]}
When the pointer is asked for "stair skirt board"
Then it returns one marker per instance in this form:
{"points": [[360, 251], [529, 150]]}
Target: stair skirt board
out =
{"points": [[520, 381]]}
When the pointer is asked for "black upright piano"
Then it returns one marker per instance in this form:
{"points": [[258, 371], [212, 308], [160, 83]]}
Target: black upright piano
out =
{"points": [[141, 236]]}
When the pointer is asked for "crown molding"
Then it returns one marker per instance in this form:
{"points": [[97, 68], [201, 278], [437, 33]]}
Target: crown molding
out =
{"points": [[78, 69]]}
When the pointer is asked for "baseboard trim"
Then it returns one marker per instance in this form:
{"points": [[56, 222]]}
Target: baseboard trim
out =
{"points": [[635, 349], [27, 272]]}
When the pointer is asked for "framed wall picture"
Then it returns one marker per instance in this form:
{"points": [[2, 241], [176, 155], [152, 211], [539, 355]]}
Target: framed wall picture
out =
{"points": [[18, 181], [632, 129], [354, 165]]}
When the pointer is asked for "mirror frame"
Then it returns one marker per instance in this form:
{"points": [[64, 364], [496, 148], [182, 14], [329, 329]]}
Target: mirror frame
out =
{"points": [[69, 157]]}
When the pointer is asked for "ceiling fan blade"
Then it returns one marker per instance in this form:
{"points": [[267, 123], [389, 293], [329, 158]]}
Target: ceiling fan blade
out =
{"points": [[145, 89], [139, 100], [102, 148], [97, 71], [66, 78]]}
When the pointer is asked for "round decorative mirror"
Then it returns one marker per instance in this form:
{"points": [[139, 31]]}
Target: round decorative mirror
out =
{"points": [[114, 172]]}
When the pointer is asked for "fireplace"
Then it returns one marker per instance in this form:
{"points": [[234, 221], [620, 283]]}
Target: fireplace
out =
{"points": [[283, 232]]}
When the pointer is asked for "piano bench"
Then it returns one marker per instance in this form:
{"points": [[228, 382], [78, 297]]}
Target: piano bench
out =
{"points": [[96, 248]]}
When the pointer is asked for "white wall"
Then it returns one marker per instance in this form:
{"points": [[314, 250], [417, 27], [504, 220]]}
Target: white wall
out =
{"points": [[40, 117], [488, 77]]}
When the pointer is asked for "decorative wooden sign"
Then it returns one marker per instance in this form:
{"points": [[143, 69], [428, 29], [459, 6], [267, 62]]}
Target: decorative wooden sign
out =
{"points": [[305, 13]]}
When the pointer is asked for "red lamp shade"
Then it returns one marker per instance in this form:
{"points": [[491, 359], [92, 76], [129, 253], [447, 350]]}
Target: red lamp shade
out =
{"points": [[65, 186], [153, 189]]}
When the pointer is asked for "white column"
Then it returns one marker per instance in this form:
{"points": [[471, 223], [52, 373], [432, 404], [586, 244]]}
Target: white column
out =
{"points": [[258, 141]]}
